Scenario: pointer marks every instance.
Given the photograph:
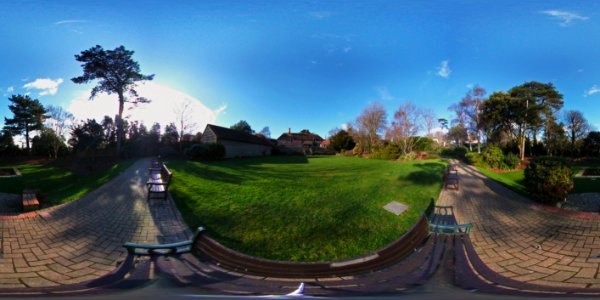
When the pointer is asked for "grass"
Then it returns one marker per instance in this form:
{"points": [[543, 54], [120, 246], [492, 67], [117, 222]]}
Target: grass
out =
{"points": [[515, 180], [304, 209], [58, 185]]}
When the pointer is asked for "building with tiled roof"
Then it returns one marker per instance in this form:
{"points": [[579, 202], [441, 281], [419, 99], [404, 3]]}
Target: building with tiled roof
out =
{"points": [[236, 143]]}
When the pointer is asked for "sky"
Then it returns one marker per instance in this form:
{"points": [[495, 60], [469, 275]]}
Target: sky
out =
{"points": [[301, 64]]}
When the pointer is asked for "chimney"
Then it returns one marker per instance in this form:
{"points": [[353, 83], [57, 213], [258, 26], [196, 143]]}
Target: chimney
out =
{"points": [[289, 130]]}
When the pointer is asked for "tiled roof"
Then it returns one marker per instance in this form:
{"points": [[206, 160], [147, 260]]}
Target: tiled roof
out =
{"points": [[235, 135], [302, 136]]}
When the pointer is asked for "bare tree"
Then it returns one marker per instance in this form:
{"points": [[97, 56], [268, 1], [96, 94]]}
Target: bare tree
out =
{"points": [[577, 127], [468, 114], [59, 120], [406, 125], [370, 124], [184, 115], [429, 120]]}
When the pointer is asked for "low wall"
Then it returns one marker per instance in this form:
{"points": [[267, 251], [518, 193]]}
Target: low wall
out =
{"points": [[207, 249]]}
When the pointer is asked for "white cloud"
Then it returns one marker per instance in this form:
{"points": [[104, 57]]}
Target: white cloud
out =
{"points": [[593, 90], [564, 17], [384, 93], [444, 69], [161, 110], [344, 126], [10, 89], [61, 22], [320, 15], [46, 86]]}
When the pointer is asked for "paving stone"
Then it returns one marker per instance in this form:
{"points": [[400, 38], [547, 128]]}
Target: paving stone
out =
{"points": [[83, 239], [523, 243]]}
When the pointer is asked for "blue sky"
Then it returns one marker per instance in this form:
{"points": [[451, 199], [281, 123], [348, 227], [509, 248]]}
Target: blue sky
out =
{"points": [[307, 64]]}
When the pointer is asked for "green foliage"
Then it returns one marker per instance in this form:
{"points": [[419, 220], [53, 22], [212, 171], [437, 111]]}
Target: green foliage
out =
{"points": [[117, 73], [206, 152], [548, 179], [341, 141], [474, 159], [7, 145], [261, 206], [171, 135], [390, 152], [493, 157], [591, 144], [409, 156], [242, 126], [512, 161], [424, 144], [87, 137], [456, 152], [28, 115], [48, 144]]}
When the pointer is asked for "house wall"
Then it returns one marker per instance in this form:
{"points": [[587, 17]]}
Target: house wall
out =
{"points": [[208, 136], [239, 149]]}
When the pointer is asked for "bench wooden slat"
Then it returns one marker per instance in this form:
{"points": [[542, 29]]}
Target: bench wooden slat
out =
{"points": [[159, 180]]}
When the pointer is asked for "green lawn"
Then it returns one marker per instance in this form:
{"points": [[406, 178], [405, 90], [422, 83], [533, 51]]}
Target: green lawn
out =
{"points": [[515, 180], [56, 184], [304, 209]]}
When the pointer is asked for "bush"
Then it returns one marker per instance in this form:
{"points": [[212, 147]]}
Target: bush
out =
{"points": [[456, 152], [410, 156], [206, 151], [474, 159], [512, 161], [424, 144], [493, 157], [389, 152], [548, 179]]}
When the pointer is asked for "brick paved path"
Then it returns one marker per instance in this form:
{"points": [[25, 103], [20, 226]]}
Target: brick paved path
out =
{"points": [[82, 240], [522, 243]]}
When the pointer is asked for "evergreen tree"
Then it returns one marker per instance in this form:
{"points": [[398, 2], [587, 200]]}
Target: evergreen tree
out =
{"points": [[28, 115]]}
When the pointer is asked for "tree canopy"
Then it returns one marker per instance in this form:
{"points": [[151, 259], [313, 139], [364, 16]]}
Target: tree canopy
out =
{"points": [[242, 126], [117, 73], [28, 115]]}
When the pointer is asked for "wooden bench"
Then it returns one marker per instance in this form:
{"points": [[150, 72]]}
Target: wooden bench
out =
{"points": [[451, 178], [161, 249], [443, 221], [158, 183], [30, 201]]}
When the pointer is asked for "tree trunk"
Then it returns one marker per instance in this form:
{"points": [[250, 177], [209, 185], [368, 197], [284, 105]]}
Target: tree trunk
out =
{"points": [[27, 139], [478, 140], [120, 124]]}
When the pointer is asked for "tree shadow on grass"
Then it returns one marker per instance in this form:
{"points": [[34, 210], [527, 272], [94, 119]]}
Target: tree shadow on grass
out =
{"points": [[428, 173]]}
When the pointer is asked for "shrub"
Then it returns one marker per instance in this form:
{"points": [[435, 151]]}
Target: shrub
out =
{"points": [[389, 152], [456, 152], [357, 149], [206, 151], [548, 179], [512, 161], [474, 159], [409, 156], [424, 144], [493, 157]]}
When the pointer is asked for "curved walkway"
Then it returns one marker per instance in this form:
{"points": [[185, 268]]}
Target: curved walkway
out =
{"points": [[83, 239], [523, 243]]}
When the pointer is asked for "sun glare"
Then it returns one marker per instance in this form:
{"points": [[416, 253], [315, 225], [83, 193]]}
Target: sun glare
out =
{"points": [[165, 102]]}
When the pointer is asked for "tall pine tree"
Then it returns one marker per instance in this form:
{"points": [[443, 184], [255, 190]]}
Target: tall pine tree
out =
{"points": [[28, 115]]}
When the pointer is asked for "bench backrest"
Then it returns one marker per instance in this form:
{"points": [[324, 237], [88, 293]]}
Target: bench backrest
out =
{"points": [[165, 174]]}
